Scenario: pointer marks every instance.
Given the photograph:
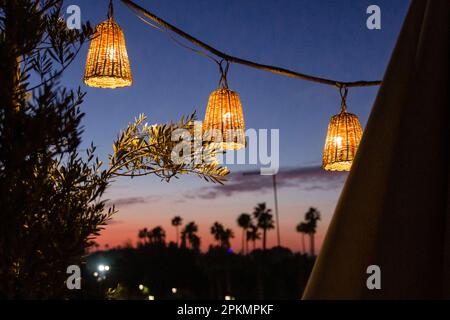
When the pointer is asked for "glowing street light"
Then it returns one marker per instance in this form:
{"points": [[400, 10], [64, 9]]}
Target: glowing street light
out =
{"points": [[151, 297], [103, 268], [141, 287], [174, 290]]}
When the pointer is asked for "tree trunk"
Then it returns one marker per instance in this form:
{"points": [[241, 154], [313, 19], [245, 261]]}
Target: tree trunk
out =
{"points": [[243, 241], [264, 239], [312, 244], [246, 242], [303, 243], [178, 236]]}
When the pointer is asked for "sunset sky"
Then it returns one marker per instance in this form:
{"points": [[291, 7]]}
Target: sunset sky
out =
{"points": [[324, 38]]}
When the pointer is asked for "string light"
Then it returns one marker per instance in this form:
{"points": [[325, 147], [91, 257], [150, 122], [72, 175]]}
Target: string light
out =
{"points": [[108, 67], [107, 64], [343, 137], [224, 123]]}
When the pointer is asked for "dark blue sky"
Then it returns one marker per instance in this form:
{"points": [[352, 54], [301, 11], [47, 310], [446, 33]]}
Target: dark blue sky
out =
{"points": [[323, 38]]}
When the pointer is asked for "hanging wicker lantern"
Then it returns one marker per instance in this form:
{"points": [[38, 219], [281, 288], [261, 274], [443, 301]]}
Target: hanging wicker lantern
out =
{"points": [[107, 64], [343, 137], [224, 120]]}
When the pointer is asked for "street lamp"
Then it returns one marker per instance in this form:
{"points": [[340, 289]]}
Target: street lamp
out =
{"points": [[103, 268]]}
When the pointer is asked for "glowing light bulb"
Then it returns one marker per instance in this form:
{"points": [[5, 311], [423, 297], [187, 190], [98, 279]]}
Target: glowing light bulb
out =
{"points": [[112, 54], [227, 116], [338, 141]]}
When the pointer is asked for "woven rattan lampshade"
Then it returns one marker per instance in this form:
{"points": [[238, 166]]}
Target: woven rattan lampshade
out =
{"points": [[107, 64], [224, 120], [343, 137]]}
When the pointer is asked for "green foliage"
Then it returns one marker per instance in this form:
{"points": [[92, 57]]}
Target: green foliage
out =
{"points": [[120, 292], [141, 150], [51, 206], [50, 195]]}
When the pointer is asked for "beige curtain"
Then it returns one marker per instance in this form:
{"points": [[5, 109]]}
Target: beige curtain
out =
{"points": [[394, 209]]}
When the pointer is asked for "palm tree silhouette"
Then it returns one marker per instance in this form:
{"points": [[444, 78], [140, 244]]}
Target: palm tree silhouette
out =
{"points": [[302, 228], [222, 235], [194, 240], [244, 221], [189, 235], [149, 237], [264, 220], [253, 235], [158, 235], [311, 218], [176, 222], [217, 230], [226, 235], [143, 235], [183, 239]]}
